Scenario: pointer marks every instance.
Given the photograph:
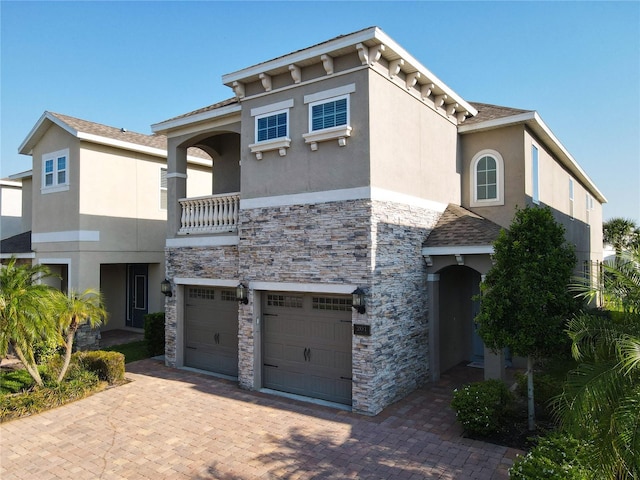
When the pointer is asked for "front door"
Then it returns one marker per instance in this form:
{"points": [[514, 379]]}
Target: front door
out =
{"points": [[137, 294]]}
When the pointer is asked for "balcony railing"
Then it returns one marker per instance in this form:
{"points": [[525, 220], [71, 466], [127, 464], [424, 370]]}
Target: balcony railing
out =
{"points": [[210, 214]]}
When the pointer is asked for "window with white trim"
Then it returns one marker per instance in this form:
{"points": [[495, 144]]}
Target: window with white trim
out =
{"points": [[535, 189], [271, 128], [55, 168], [329, 116], [163, 188], [487, 179], [589, 206], [333, 113]]}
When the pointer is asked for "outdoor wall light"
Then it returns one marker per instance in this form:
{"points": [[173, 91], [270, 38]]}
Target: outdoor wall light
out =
{"points": [[358, 302], [165, 287], [241, 294]]}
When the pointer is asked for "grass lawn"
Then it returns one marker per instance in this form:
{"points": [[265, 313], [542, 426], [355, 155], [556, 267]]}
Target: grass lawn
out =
{"points": [[132, 351]]}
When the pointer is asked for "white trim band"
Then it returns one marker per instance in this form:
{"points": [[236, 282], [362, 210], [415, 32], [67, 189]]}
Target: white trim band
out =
{"points": [[272, 107], [462, 250], [334, 92], [341, 195], [205, 282], [302, 287], [217, 241]]}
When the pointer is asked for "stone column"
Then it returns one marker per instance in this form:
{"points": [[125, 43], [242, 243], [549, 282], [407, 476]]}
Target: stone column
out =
{"points": [[433, 295], [176, 184]]}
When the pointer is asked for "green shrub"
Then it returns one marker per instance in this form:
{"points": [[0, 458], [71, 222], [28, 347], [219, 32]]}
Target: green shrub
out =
{"points": [[545, 388], [108, 366], [154, 333], [44, 398], [15, 381], [556, 457], [482, 407], [46, 349]]}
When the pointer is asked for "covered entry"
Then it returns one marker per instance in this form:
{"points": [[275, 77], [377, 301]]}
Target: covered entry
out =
{"points": [[211, 329], [307, 345]]}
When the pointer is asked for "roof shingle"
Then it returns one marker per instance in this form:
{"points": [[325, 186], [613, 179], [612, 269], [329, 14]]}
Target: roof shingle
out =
{"points": [[487, 112], [458, 226]]}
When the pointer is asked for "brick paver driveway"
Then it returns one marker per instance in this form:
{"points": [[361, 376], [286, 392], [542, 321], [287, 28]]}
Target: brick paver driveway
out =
{"points": [[172, 424]]}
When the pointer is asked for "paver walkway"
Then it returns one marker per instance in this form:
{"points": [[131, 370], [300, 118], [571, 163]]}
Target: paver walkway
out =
{"points": [[173, 424]]}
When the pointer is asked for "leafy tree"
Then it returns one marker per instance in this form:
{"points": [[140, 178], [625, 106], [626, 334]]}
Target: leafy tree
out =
{"points": [[25, 313], [621, 233], [74, 310], [601, 400], [525, 300]]}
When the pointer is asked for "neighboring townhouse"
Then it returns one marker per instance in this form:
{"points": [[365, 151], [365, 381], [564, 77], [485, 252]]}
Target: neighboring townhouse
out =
{"points": [[354, 203], [98, 212], [10, 208]]}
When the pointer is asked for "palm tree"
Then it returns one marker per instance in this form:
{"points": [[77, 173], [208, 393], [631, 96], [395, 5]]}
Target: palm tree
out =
{"points": [[25, 312], [601, 400], [74, 310], [621, 233]]}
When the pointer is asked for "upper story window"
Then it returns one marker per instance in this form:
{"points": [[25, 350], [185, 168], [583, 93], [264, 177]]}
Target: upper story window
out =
{"points": [[55, 171], [535, 189], [487, 179], [271, 128], [589, 205], [329, 116]]}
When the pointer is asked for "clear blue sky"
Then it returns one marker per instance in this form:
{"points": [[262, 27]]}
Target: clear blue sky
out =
{"points": [[132, 64]]}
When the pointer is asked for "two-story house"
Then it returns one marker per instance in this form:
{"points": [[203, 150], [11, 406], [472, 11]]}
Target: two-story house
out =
{"points": [[95, 208], [354, 201]]}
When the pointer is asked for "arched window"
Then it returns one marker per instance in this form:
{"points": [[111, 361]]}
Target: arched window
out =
{"points": [[487, 179]]}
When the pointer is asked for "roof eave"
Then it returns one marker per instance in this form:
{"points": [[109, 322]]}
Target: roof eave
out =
{"points": [[167, 125], [373, 34], [39, 129], [535, 122]]}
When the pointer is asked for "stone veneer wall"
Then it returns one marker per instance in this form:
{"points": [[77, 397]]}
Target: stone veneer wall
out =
{"points": [[194, 262], [375, 245], [399, 299], [320, 243]]}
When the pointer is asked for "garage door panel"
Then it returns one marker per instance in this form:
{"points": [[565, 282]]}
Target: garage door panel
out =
{"points": [[310, 343], [211, 330], [289, 381]]}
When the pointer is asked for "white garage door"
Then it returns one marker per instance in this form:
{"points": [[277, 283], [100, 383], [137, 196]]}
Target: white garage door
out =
{"points": [[211, 330], [307, 345]]}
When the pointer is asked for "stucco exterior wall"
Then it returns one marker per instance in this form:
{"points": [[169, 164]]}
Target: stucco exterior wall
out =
{"points": [[331, 167], [10, 209], [509, 143], [58, 211], [413, 149]]}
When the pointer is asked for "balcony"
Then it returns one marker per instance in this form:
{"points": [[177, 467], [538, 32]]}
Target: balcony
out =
{"points": [[210, 214]]}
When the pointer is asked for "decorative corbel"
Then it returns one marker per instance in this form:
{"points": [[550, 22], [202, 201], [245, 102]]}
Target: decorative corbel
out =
{"points": [[412, 79], [375, 53], [258, 155], [342, 141], [459, 259], [395, 66], [266, 81], [296, 73], [238, 89], [327, 63], [439, 100], [451, 108], [363, 53], [428, 260], [426, 89], [462, 116]]}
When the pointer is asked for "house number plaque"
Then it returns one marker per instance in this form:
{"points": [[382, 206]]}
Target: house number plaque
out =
{"points": [[359, 329]]}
